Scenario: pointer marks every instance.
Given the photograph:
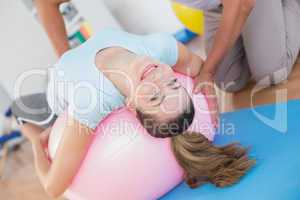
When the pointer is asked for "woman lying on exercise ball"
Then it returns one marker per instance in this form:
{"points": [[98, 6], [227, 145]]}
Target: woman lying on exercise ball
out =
{"points": [[114, 69]]}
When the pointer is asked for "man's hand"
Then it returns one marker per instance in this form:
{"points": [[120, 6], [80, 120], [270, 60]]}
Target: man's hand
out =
{"points": [[204, 84]]}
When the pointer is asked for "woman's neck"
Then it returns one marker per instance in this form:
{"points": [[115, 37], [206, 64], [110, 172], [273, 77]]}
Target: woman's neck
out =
{"points": [[116, 64]]}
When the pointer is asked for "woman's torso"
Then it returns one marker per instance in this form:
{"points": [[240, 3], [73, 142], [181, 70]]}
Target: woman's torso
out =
{"points": [[77, 84]]}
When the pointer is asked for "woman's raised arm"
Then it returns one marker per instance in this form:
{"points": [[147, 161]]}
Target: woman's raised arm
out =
{"points": [[56, 176]]}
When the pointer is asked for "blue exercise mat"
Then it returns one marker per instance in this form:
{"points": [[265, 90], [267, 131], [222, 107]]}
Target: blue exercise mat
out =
{"points": [[274, 143]]}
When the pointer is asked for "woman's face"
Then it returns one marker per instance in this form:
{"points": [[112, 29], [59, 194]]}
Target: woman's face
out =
{"points": [[158, 92]]}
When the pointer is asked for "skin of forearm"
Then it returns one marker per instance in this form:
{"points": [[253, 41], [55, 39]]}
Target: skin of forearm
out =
{"points": [[42, 164], [53, 24], [234, 18], [196, 64], [188, 63], [244, 13]]}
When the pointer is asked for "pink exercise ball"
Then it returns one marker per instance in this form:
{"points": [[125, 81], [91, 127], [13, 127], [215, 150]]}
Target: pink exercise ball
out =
{"points": [[124, 161]]}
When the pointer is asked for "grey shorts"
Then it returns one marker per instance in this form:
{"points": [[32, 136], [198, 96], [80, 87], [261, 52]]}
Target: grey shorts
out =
{"points": [[267, 49], [33, 109]]}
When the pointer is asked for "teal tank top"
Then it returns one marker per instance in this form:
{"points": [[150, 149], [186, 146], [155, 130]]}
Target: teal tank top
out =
{"points": [[78, 86]]}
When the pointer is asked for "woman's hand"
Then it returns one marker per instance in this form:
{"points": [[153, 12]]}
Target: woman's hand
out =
{"points": [[31, 132], [36, 134], [204, 83], [44, 137]]}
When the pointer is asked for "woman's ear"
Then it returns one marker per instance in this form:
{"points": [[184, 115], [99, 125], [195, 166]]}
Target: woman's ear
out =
{"points": [[130, 106]]}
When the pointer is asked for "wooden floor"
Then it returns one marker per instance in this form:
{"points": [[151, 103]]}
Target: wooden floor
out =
{"points": [[20, 181]]}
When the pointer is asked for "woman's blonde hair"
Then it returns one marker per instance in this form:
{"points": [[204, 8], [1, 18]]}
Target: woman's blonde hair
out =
{"points": [[202, 161]]}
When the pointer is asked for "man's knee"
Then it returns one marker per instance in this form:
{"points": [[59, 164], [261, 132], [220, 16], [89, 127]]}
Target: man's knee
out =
{"points": [[233, 81], [273, 77], [233, 85], [273, 71]]}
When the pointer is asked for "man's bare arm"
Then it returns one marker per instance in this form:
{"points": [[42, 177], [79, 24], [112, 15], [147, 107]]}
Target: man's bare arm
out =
{"points": [[53, 23]]}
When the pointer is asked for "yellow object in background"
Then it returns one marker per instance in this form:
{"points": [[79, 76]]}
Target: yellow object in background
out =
{"points": [[191, 18], [86, 30]]}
